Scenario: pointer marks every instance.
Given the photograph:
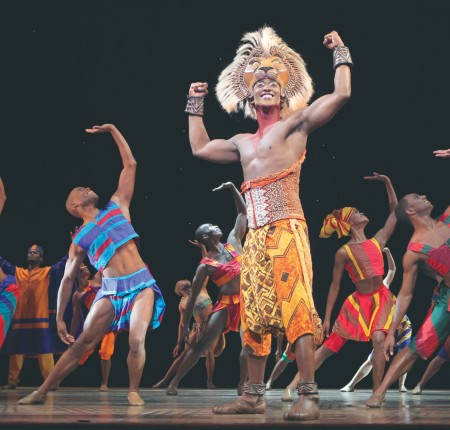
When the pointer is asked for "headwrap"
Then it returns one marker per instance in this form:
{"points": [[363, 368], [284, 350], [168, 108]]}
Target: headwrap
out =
{"points": [[337, 222], [38, 249], [263, 54]]}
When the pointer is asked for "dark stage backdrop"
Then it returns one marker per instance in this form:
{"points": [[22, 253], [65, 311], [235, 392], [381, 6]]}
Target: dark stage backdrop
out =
{"points": [[70, 65]]}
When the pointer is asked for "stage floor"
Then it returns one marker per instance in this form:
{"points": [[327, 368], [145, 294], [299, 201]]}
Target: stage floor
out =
{"points": [[87, 408]]}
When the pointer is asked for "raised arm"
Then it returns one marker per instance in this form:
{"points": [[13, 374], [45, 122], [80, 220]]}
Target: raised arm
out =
{"points": [[76, 257], [324, 108], [240, 225], [216, 150], [391, 268], [404, 297], [338, 270], [442, 153], [2, 196], [125, 188], [385, 233]]}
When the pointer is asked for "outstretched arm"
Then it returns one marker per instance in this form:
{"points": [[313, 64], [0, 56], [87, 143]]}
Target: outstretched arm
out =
{"points": [[324, 108], [217, 150], [127, 178], [76, 257], [391, 268], [385, 233], [2, 196], [338, 270], [240, 225], [442, 153]]}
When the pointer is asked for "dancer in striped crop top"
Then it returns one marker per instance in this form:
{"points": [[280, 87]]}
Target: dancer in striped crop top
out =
{"points": [[128, 299]]}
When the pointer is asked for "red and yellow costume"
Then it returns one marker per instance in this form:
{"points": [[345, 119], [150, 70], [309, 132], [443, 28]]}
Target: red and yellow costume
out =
{"points": [[225, 273], [363, 314]]}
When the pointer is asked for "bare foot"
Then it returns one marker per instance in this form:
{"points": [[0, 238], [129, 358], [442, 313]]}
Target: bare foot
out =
{"points": [[171, 390], [104, 388], [210, 385], [34, 398], [134, 399], [9, 386], [375, 401], [160, 384]]}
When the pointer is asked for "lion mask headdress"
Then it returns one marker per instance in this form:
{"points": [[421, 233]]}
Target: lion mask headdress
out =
{"points": [[263, 54]]}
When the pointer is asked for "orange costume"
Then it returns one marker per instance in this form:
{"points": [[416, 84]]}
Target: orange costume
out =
{"points": [[276, 278], [107, 346], [33, 328]]}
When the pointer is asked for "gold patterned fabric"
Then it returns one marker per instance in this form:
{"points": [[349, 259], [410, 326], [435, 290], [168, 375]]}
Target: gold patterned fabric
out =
{"points": [[276, 286], [274, 197]]}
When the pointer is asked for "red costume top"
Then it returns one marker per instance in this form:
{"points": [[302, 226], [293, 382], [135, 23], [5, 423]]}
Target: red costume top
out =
{"points": [[225, 271], [366, 260], [438, 258]]}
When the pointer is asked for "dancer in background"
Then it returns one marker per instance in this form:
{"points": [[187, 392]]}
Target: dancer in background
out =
{"points": [[222, 265], [201, 313], [33, 330], [433, 367]]}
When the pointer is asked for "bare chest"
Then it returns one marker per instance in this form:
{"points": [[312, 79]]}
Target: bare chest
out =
{"points": [[264, 155]]}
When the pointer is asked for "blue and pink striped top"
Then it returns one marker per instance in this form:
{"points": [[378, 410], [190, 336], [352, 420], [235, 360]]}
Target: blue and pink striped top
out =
{"points": [[102, 237]]}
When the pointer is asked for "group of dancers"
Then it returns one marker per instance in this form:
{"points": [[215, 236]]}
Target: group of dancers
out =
{"points": [[264, 268]]}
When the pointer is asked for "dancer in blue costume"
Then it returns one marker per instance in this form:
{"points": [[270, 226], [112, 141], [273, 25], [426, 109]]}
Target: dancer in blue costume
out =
{"points": [[129, 298]]}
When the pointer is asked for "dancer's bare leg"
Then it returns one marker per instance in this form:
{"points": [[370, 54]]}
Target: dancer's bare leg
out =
{"points": [[140, 318], [172, 370], [214, 328], [278, 369], [243, 370], [210, 365], [98, 321], [106, 369], [430, 371], [402, 363], [378, 359]]}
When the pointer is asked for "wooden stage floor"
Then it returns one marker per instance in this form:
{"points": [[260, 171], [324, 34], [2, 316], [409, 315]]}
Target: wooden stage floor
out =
{"points": [[78, 408]]}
